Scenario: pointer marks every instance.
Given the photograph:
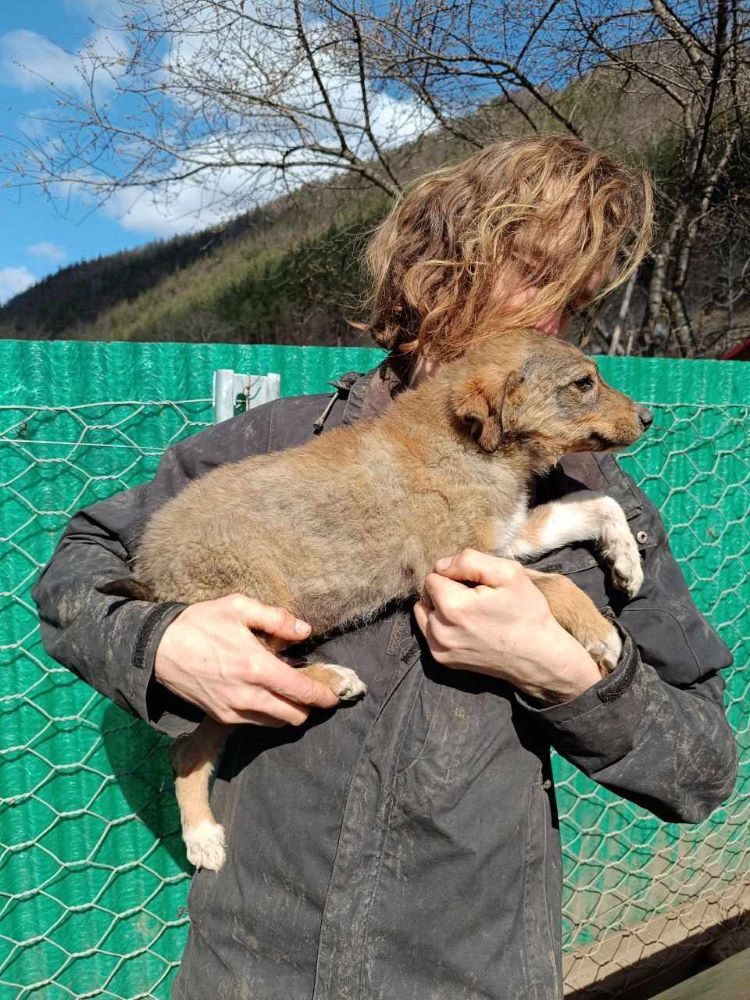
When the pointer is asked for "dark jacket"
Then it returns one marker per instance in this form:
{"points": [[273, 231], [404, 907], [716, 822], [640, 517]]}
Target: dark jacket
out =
{"points": [[406, 846]]}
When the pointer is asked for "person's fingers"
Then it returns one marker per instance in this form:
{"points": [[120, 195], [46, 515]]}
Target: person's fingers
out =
{"points": [[421, 615], [266, 618], [447, 596], [472, 566], [232, 718], [267, 703], [278, 677], [435, 630]]}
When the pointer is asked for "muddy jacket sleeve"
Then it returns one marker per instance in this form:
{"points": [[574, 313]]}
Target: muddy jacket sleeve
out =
{"points": [[110, 642], [655, 730]]}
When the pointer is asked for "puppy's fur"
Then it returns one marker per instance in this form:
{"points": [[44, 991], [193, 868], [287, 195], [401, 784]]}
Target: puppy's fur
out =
{"points": [[336, 528]]}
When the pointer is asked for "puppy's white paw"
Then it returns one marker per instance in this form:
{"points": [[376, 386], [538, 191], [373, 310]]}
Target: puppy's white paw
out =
{"points": [[606, 651], [205, 845], [620, 550], [618, 547], [627, 572], [350, 686]]}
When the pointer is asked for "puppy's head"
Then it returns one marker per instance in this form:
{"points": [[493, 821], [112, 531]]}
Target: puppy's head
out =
{"points": [[531, 389]]}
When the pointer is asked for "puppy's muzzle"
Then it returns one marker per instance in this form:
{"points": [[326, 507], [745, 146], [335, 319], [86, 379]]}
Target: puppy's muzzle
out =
{"points": [[645, 416]]}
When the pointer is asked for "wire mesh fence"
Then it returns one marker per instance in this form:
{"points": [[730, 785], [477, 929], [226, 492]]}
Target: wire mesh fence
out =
{"points": [[93, 878], [636, 886]]}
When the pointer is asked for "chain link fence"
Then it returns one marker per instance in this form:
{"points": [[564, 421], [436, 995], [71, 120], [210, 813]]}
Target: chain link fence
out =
{"points": [[93, 877]]}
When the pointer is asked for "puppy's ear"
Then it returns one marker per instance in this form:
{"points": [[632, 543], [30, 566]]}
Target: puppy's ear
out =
{"points": [[511, 406], [478, 403], [488, 406]]}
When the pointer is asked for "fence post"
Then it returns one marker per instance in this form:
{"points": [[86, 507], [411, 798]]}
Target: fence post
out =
{"points": [[235, 392], [223, 394]]}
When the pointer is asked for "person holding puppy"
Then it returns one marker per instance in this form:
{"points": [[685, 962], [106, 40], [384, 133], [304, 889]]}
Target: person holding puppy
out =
{"points": [[407, 846]]}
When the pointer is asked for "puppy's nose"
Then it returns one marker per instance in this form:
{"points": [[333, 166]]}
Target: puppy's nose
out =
{"points": [[645, 415]]}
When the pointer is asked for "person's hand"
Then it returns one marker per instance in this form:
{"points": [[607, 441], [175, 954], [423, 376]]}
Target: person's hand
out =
{"points": [[502, 626], [209, 656]]}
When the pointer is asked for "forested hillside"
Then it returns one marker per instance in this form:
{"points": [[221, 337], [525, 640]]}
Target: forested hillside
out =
{"points": [[289, 274]]}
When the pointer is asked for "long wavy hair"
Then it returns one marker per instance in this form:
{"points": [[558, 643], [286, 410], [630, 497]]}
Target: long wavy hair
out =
{"points": [[546, 212]]}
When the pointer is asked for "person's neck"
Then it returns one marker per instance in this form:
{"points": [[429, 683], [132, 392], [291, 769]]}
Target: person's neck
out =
{"points": [[421, 369]]}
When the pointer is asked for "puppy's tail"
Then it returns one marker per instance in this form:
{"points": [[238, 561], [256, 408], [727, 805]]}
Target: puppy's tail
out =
{"points": [[130, 588]]}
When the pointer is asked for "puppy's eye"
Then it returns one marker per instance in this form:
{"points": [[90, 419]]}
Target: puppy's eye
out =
{"points": [[585, 384]]}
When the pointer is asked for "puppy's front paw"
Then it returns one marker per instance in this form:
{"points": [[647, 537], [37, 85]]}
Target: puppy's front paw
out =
{"points": [[619, 548], [627, 572], [205, 845], [620, 551]]}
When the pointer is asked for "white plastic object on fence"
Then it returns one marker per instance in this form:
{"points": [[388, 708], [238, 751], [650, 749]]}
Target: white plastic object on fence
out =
{"points": [[234, 392]]}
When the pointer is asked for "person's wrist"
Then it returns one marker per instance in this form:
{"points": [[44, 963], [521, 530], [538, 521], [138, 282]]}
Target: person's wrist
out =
{"points": [[164, 658], [569, 669]]}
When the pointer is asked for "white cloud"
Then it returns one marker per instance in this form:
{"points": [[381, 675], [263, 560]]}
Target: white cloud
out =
{"points": [[14, 280], [30, 60], [214, 195], [33, 62], [182, 208], [48, 251], [230, 130]]}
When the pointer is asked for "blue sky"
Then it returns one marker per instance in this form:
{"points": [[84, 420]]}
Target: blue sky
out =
{"points": [[41, 42], [37, 236]]}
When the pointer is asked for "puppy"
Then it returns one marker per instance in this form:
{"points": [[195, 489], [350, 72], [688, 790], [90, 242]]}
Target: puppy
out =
{"points": [[448, 466]]}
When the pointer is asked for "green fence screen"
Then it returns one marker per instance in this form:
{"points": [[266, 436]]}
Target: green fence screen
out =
{"points": [[93, 878]]}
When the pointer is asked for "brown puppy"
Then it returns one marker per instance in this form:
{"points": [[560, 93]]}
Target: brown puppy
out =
{"points": [[447, 466]]}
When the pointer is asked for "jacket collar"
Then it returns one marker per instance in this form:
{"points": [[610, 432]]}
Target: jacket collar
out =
{"points": [[371, 393]]}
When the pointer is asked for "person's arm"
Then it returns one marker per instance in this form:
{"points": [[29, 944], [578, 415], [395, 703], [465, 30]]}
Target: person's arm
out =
{"points": [[108, 641], [654, 730], [208, 658], [667, 748]]}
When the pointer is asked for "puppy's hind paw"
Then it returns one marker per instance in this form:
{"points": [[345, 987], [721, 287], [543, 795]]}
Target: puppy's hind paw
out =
{"points": [[205, 845], [606, 651], [346, 684]]}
